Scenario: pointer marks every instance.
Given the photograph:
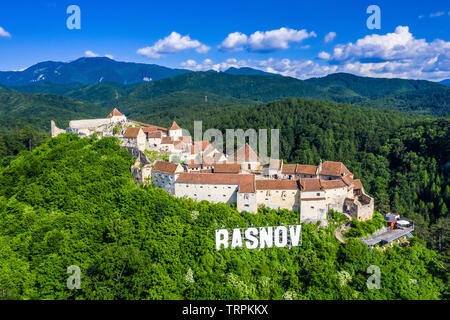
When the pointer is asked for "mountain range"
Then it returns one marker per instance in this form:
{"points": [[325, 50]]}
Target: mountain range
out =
{"points": [[98, 69], [74, 90], [88, 71]]}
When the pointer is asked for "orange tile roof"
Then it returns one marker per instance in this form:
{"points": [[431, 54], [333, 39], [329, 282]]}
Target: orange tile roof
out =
{"points": [[277, 185], [246, 182], [165, 167], [154, 134], [333, 168], [312, 199], [227, 167], [357, 184], [332, 184], [310, 184], [180, 145], [288, 168], [132, 132], [199, 146], [174, 126], [347, 180], [166, 140], [245, 154], [306, 169], [115, 113], [146, 125]]}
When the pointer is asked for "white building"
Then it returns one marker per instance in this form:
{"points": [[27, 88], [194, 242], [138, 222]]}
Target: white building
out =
{"points": [[135, 138], [175, 132], [164, 175]]}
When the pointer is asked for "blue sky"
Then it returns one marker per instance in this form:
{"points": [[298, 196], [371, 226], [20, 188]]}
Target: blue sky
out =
{"points": [[286, 37]]}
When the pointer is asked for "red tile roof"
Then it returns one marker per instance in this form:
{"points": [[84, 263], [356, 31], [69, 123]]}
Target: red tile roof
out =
{"points": [[357, 185], [347, 180], [306, 169], [146, 125], [288, 168], [276, 185], [245, 154], [332, 184], [166, 140], [165, 167], [227, 167], [246, 182], [333, 168], [174, 126], [115, 113], [154, 134], [199, 146], [132, 132], [310, 184], [312, 199], [180, 145]]}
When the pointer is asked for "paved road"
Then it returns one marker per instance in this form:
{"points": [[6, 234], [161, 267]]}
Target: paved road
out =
{"points": [[338, 231]]}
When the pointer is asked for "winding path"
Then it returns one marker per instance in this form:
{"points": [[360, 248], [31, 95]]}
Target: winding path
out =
{"points": [[338, 231]]}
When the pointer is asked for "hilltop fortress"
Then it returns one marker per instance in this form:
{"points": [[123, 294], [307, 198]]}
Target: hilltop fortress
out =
{"points": [[201, 172]]}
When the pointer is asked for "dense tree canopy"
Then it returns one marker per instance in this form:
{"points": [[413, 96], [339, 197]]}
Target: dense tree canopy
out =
{"points": [[72, 201]]}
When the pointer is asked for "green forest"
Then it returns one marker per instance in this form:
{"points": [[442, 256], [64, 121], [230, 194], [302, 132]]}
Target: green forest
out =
{"points": [[72, 201], [402, 161]]}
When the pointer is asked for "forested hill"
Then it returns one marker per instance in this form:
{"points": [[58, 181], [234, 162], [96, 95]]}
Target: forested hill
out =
{"points": [[371, 87], [403, 162], [72, 201], [19, 109], [419, 97]]}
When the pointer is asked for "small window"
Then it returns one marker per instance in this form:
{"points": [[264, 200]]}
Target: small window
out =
{"points": [[247, 205], [312, 207], [249, 166], [318, 194]]}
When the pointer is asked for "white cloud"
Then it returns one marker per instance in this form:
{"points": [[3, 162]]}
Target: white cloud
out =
{"points": [[203, 49], [90, 54], [392, 55], [301, 69], [437, 14], [171, 44], [324, 55], [400, 44], [4, 33], [397, 54], [234, 42], [265, 41], [277, 39], [329, 37]]}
